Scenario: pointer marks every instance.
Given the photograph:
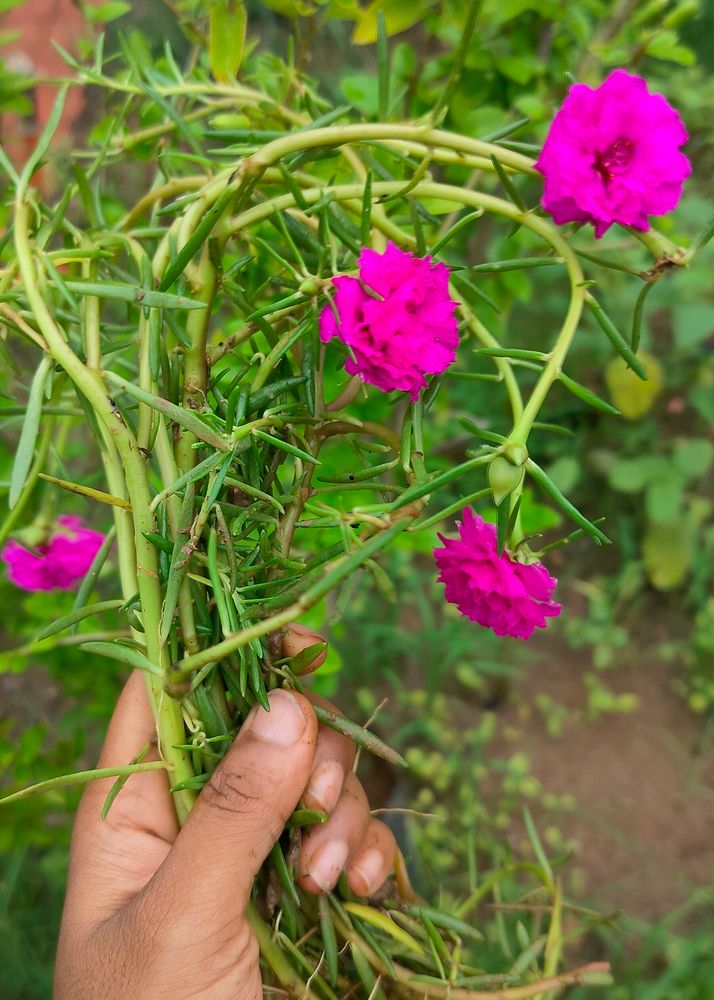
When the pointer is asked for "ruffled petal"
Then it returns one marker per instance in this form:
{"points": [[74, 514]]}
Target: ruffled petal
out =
{"points": [[587, 180], [398, 320], [509, 597], [57, 565]]}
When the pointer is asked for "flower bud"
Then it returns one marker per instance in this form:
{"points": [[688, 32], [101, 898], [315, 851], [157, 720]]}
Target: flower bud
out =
{"points": [[503, 478]]}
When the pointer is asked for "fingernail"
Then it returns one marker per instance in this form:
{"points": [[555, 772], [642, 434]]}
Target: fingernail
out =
{"points": [[305, 631], [327, 863], [368, 866], [283, 725], [325, 785]]}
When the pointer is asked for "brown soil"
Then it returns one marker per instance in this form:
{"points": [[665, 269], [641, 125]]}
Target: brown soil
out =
{"points": [[644, 782]]}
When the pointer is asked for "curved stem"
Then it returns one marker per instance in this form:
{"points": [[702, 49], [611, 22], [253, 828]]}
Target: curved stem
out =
{"points": [[168, 711], [256, 165], [176, 186], [423, 135]]}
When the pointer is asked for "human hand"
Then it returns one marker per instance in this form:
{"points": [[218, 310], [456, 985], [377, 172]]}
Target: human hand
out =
{"points": [[153, 912]]}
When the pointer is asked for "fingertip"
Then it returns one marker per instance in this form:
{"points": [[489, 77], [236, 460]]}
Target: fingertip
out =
{"points": [[327, 849], [311, 724], [325, 786], [370, 866], [299, 637]]}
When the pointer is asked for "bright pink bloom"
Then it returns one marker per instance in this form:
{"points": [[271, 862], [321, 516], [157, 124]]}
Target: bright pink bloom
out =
{"points": [[404, 330], [494, 590], [56, 564], [612, 155]]}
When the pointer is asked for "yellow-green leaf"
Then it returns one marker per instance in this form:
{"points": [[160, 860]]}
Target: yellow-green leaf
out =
{"points": [[228, 22], [667, 548], [633, 397], [398, 16], [383, 922]]}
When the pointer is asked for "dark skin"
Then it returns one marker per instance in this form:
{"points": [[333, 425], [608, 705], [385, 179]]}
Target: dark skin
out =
{"points": [[156, 912]]}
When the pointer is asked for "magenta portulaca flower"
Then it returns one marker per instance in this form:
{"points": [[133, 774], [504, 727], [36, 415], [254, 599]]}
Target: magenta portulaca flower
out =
{"points": [[612, 155], [397, 320], [509, 597], [56, 564]]}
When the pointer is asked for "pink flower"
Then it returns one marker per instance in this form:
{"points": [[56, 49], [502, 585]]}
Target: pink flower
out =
{"points": [[612, 155], [494, 590], [403, 331], [56, 564]]}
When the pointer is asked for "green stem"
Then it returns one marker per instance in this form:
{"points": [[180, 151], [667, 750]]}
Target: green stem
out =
{"points": [[168, 712], [57, 641], [176, 186], [337, 135], [203, 282], [661, 247], [270, 951], [91, 320], [256, 165], [551, 371], [146, 415], [82, 778], [169, 474]]}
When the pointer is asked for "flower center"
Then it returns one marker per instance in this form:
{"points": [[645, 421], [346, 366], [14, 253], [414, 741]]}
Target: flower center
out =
{"points": [[615, 158]]}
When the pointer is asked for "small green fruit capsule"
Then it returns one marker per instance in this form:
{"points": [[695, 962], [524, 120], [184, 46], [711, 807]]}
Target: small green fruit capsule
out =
{"points": [[310, 286], [503, 478]]}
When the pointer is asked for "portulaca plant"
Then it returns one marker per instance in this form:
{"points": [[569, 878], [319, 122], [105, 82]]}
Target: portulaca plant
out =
{"points": [[229, 342]]}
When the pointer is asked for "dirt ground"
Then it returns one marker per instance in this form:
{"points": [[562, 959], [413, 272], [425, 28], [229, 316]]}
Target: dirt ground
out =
{"points": [[644, 782]]}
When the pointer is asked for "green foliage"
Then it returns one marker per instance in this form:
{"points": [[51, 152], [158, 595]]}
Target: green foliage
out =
{"points": [[656, 496]]}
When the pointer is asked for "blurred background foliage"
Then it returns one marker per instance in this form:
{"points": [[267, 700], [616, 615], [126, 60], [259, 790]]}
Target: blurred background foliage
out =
{"points": [[602, 728]]}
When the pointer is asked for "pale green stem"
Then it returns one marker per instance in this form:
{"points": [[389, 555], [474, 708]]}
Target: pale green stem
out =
{"points": [[195, 378], [168, 711], [127, 142], [146, 415], [91, 307], [58, 641], [524, 417], [82, 778], [423, 135], [195, 371], [661, 247], [272, 152], [91, 330], [276, 958], [169, 475], [172, 188]]}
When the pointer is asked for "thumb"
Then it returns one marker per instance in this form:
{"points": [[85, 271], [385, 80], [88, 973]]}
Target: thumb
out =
{"points": [[242, 810]]}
